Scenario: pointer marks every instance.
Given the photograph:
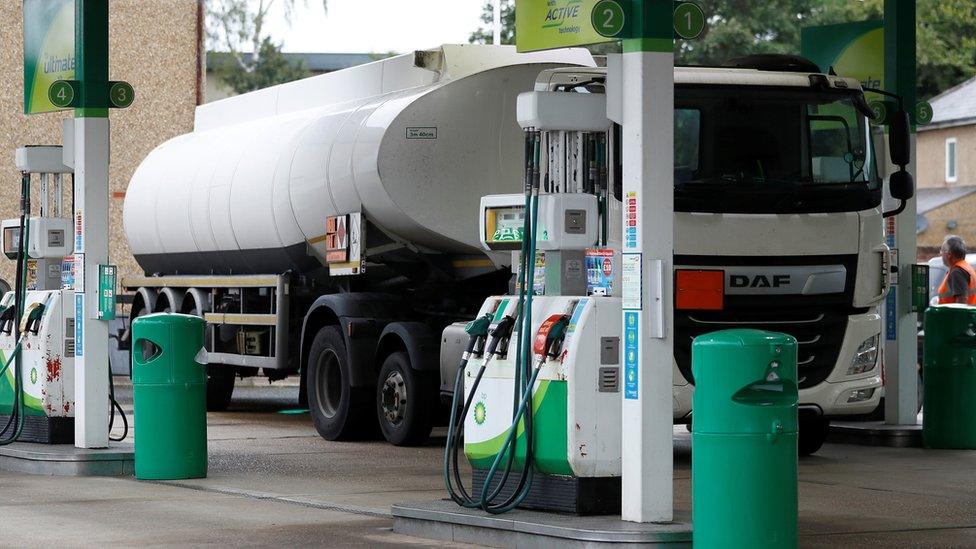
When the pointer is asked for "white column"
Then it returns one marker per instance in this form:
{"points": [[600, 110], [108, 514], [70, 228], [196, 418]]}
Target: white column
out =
{"points": [[901, 355], [91, 139], [647, 109]]}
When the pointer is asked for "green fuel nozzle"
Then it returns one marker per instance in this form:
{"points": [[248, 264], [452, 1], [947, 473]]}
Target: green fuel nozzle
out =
{"points": [[477, 331]]}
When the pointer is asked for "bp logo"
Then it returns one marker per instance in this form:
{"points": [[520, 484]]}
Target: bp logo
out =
{"points": [[33, 376], [480, 413]]}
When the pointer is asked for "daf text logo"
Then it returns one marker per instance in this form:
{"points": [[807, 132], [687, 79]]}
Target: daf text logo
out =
{"points": [[759, 281]]}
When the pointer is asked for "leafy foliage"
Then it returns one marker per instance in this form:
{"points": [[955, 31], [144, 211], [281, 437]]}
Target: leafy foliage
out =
{"points": [[946, 33], [248, 58], [271, 68]]}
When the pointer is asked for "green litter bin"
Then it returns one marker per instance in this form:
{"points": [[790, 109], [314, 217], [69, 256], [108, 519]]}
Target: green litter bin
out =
{"points": [[170, 393], [949, 399], [744, 440]]}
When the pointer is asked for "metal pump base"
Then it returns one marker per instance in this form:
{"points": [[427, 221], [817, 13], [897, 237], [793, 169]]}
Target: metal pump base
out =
{"points": [[445, 520], [564, 494], [46, 430]]}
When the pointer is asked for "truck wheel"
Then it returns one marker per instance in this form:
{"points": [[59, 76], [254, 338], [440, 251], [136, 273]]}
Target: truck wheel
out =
{"points": [[404, 402], [220, 387], [813, 434], [339, 411]]}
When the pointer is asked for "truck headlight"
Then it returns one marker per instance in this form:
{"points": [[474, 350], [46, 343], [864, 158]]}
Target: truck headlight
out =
{"points": [[866, 356]]}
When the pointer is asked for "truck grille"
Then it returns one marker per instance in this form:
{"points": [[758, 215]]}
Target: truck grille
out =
{"points": [[818, 334]]}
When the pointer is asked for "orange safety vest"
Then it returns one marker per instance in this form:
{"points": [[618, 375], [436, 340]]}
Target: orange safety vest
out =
{"points": [[944, 287]]}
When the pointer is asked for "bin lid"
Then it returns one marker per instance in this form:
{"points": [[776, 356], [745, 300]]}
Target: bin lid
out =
{"points": [[166, 349], [745, 382], [950, 336]]}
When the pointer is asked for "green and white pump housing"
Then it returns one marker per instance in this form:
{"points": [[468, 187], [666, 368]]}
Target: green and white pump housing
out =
{"points": [[44, 332]]}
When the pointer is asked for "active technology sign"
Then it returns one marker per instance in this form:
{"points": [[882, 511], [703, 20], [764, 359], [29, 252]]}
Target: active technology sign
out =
{"points": [[545, 24], [49, 50]]}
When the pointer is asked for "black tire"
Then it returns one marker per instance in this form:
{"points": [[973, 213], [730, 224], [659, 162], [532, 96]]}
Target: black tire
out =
{"points": [[339, 411], [405, 402], [220, 386], [813, 434]]}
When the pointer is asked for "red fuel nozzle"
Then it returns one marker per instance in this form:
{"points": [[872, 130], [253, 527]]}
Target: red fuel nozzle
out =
{"points": [[551, 333]]}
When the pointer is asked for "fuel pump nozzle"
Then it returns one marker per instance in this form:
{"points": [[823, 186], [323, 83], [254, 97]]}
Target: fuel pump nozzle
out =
{"points": [[477, 331], [550, 336], [500, 332]]}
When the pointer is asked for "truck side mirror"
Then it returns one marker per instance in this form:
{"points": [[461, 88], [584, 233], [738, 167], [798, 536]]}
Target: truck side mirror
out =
{"points": [[901, 185], [899, 139]]}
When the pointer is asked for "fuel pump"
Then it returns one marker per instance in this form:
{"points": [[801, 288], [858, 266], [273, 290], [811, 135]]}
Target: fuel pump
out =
{"points": [[539, 410], [37, 322]]}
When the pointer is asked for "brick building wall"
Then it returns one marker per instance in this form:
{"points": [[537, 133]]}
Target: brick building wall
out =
{"points": [[155, 46], [932, 155]]}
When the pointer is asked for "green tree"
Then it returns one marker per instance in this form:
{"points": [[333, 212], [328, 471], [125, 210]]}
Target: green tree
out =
{"points": [[485, 34], [248, 58], [270, 69], [946, 33]]}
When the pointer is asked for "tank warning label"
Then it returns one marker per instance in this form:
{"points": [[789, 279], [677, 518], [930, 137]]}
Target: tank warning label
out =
{"points": [[421, 133], [631, 350]]}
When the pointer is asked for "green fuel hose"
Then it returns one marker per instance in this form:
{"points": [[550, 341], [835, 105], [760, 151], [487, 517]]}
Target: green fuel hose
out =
{"points": [[524, 378], [16, 419]]}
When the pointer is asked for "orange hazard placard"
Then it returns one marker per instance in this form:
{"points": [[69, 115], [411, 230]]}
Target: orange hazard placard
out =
{"points": [[337, 239]]}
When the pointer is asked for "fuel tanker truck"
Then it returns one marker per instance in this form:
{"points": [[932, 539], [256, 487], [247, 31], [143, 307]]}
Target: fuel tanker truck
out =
{"points": [[348, 228], [328, 227]]}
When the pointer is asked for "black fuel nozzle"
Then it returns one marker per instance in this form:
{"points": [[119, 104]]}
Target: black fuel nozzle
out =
{"points": [[500, 333], [550, 336], [7, 319]]}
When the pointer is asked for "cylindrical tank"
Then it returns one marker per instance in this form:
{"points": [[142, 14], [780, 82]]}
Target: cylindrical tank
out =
{"points": [[411, 148]]}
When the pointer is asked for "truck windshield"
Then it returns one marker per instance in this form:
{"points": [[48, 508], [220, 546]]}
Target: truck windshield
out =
{"points": [[779, 150]]}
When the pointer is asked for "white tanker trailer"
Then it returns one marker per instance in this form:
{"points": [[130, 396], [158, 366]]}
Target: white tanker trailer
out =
{"points": [[329, 227]]}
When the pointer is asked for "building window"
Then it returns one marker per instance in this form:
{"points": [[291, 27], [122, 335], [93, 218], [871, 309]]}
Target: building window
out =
{"points": [[951, 174]]}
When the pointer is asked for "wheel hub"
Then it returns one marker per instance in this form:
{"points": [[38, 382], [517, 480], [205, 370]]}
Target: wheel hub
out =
{"points": [[394, 396]]}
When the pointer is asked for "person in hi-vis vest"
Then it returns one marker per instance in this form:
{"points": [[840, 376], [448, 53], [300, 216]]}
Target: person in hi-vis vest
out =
{"points": [[959, 284]]}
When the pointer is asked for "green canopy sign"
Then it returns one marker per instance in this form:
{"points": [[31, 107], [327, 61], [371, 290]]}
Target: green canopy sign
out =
{"points": [[855, 50], [49, 50], [548, 24]]}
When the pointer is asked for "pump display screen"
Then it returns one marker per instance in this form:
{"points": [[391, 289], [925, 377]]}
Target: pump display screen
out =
{"points": [[503, 227], [11, 241]]}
